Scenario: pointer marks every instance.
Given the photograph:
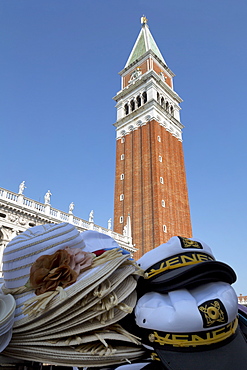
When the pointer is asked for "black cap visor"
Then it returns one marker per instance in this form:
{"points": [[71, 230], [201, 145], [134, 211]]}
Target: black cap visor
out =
{"points": [[188, 277], [229, 356]]}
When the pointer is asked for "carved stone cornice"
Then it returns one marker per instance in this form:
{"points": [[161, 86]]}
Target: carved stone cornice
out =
{"points": [[146, 113], [143, 79]]}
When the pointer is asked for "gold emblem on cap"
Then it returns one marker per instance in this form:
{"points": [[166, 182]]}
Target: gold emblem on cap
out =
{"points": [[188, 243], [213, 313]]}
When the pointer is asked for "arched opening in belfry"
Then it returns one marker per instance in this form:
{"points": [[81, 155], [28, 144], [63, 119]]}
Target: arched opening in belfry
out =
{"points": [[139, 101], [132, 105], [126, 109], [144, 97]]}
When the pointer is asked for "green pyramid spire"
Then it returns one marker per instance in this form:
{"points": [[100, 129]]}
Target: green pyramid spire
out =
{"points": [[144, 43]]}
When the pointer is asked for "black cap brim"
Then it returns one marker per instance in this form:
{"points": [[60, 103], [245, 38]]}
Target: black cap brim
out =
{"points": [[190, 277], [227, 357]]}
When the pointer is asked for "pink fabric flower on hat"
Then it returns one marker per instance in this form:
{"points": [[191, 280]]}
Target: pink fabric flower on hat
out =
{"points": [[59, 269], [80, 260]]}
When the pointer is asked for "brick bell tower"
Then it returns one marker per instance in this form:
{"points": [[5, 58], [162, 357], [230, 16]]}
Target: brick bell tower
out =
{"points": [[150, 183]]}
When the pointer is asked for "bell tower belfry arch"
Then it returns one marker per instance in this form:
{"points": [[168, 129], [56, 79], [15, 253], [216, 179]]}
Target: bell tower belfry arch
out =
{"points": [[150, 178]]}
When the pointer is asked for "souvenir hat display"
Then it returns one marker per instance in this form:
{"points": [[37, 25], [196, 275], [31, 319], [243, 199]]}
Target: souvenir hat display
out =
{"points": [[112, 332], [7, 311], [92, 319], [96, 355], [43, 241], [85, 308], [90, 356], [91, 283], [64, 292], [93, 239], [181, 262], [198, 327], [23, 250]]}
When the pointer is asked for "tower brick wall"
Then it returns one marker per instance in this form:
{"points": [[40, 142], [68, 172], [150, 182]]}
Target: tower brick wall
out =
{"points": [[146, 161]]}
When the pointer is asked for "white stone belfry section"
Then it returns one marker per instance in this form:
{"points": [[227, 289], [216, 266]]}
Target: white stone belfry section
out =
{"points": [[145, 87]]}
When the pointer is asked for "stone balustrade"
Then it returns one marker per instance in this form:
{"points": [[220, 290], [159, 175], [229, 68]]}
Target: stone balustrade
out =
{"points": [[242, 300]]}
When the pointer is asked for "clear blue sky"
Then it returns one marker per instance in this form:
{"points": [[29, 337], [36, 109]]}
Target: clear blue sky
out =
{"points": [[59, 71]]}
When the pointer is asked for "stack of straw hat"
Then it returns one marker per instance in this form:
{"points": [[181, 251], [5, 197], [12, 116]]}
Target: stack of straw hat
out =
{"points": [[7, 312], [187, 311], [71, 290]]}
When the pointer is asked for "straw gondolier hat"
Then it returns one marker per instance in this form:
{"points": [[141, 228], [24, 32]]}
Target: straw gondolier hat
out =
{"points": [[111, 332], [93, 355], [7, 311], [100, 294], [97, 316], [24, 250], [86, 283]]}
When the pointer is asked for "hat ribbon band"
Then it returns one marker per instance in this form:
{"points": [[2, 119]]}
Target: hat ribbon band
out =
{"points": [[195, 339], [179, 260]]}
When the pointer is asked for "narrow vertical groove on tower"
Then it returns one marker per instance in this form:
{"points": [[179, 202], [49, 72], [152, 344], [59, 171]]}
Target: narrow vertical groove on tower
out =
{"points": [[141, 245], [152, 184], [132, 181]]}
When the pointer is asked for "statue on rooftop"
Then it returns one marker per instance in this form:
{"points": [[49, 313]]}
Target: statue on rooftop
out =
{"points": [[48, 197], [71, 207], [91, 215], [21, 187], [109, 224]]}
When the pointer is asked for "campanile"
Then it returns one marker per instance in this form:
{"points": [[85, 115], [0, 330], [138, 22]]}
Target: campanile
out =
{"points": [[150, 178]]}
